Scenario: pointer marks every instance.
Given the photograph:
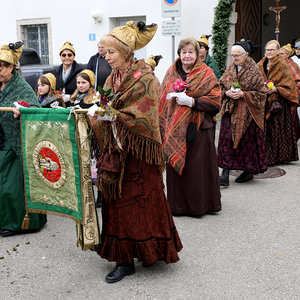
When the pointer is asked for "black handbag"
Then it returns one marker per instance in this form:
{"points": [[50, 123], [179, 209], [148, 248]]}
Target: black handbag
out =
{"points": [[191, 133]]}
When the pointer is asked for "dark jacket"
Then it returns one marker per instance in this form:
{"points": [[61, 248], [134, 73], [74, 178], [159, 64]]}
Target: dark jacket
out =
{"points": [[71, 84], [93, 62]]}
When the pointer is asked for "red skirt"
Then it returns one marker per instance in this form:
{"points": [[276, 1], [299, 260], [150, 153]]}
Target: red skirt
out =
{"points": [[139, 224]]}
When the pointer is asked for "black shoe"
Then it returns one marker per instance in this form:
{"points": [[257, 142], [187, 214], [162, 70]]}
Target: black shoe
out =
{"points": [[120, 271], [99, 199], [224, 178], [6, 232], [244, 177]]}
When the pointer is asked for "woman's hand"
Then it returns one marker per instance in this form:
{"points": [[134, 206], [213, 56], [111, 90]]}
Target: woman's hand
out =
{"points": [[94, 117], [235, 95], [273, 90], [16, 112]]}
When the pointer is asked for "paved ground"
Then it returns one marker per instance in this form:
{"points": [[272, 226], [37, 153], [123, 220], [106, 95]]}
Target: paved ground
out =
{"points": [[250, 250]]}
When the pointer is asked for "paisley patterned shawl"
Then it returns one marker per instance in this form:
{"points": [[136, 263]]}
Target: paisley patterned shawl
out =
{"points": [[174, 118], [252, 106], [295, 72], [136, 126], [282, 77], [15, 90]]}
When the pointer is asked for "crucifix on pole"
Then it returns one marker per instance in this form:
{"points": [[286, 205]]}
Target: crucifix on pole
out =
{"points": [[277, 10]]}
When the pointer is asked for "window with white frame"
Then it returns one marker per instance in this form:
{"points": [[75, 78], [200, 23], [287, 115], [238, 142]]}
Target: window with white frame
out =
{"points": [[35, 33]]}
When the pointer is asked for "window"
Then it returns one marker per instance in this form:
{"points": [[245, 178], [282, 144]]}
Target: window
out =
{"points": [[36, 34]]}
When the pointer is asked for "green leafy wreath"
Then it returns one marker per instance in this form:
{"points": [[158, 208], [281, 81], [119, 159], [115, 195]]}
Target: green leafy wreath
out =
{"points": [[221, 31]]}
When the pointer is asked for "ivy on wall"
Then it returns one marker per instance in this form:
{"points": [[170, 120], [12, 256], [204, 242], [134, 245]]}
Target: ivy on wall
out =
{"points": [[221, 31]]}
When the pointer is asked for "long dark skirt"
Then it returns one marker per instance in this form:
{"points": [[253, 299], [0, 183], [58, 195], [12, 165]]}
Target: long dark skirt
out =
{"points": [[197, 190], [250, 154], [140, 224], [281, 144], [12, 199]]}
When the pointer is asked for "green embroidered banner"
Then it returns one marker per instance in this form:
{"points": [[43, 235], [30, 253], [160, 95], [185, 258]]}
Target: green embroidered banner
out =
{"points": [[51, 162]]}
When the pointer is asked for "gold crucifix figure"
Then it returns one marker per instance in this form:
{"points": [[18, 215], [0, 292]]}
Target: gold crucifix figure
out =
{"points": [[277, 10]]}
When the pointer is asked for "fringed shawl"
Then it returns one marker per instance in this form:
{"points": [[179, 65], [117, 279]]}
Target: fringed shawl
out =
{"points": [[295, 72], [136, 126], [279, 72], [174, 118], [250, 107]]}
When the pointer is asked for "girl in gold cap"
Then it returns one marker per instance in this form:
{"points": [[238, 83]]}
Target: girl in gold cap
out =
{"points": [[66, 73], [85, 92], [137, 222], [46, 93], [151, 63], [12, 200]]}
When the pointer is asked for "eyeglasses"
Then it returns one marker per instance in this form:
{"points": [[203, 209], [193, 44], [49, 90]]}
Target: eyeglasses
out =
{"points": [[237, 55], [69, 55], [270, 50]]}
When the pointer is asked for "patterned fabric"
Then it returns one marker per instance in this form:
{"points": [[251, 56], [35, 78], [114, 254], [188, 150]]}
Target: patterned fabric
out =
{"points": [[281, 144], [280, 74], [246, 109], [136, 126], [210, 62], [16, 89], [174, 118], [250, 154], [295, 72]]}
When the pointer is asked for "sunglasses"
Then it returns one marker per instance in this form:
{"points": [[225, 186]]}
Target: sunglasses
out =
{"points": [[69, 55]]}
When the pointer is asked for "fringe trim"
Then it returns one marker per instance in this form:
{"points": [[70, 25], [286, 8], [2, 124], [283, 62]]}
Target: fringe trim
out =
{"points": [[141, 146]]}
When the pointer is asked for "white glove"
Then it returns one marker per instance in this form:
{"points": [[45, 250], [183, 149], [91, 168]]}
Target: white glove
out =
{"points": [[92, 110], [106, 118], [66, 97], [184, 99]]}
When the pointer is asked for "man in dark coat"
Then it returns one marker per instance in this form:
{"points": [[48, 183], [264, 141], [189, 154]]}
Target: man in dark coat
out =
{"points": [[99, 65]]}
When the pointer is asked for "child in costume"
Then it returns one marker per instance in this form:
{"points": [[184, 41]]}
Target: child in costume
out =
{"points": [[46, 93], [85, 92]]}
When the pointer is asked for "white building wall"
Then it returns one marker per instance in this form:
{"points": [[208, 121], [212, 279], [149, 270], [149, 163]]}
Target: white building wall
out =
{"points": [[72, 21]]}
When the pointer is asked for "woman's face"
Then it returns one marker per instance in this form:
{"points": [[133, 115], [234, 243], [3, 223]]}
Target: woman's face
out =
{"points": [[43, 89], [67, 57], [271, 51], [188, 56], [238, 55], [82, 85], [202, 52], [5, 73], [115, 59], [149, 68], [283, 54]]}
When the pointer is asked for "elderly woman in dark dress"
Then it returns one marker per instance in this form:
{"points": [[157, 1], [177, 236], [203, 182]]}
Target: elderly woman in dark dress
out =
{"points": [[281, 144], [241, 141], [193, 186], [137, 222]]}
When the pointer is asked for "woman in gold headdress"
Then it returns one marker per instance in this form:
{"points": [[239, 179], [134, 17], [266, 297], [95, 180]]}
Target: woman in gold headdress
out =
{"points": [[137, 222], [152, 63], [13, 88], [66, 73]]}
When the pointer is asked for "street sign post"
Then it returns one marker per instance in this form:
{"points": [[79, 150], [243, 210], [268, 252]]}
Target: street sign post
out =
{"points": [[171, 9]]}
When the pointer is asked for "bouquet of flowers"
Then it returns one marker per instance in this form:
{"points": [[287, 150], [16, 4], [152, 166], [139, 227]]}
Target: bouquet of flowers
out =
{"points": [[61, 92], [21, 103], [103, 98], [179, 86], [236, 87], [270, 84]]}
